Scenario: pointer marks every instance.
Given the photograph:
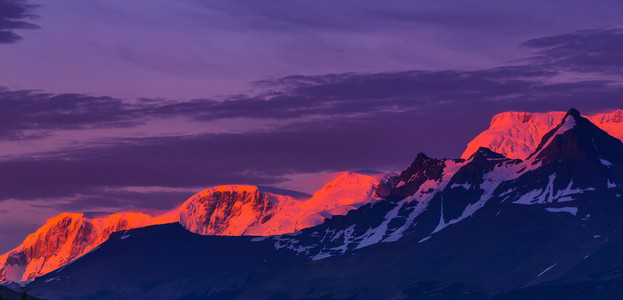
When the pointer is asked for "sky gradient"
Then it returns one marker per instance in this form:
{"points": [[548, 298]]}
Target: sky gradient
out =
{"points": [[115, 105]]}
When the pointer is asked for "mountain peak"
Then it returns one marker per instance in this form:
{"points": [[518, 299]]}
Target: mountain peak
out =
{"points": [[577, 150], [574, 113], [218, 210], [421, 170], [553, 144], [421, 157], [517, 134]]}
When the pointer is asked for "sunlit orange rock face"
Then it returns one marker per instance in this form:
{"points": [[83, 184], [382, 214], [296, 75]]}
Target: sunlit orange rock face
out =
{"points": [[64, 238], [246, 210], [221, 210], [517, 134]]}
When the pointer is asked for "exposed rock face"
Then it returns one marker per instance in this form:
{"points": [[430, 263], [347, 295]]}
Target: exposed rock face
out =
{"points": [[573, 163], [64, 238], [249, 210], [221, 210], [230, 210], [422, 170], [517, 134], [574, 158], [484, 226]]}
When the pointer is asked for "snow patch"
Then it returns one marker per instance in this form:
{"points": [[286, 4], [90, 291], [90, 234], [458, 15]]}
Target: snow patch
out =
{"points": [[537, 196], [529, 197], [260, 238], [605, 162], [465, 186], [569, 123], [375, 235], [550, 196], [571, 210], [491, 181], [53, 279], [565, 199], [547, 270], [321, 255], [611, 184]]}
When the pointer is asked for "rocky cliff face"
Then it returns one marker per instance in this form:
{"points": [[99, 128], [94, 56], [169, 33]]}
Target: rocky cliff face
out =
{"points": [[230, 210], [64, 238], [574, 163], [485, 227], [517, 134], [251, 210], [221, 210]]}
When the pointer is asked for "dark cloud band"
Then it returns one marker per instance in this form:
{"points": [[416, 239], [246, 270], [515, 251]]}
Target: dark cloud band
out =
{"points": [[596, 50], [335, 122], [13, 14]]}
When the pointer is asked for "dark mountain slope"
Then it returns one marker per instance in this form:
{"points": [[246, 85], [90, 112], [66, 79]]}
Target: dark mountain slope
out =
{"points": [[485, 227], [165, 262]]}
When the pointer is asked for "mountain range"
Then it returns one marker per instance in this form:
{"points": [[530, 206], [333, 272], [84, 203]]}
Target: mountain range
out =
{"points": [[539, 220], [517, 134], [221, 210]]}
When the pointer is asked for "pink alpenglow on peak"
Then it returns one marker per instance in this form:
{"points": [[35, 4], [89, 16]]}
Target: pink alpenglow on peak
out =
{"points": [[220, 210], [231, 210], [65, 238], [347, 191], [517, 134], [250, 210]]}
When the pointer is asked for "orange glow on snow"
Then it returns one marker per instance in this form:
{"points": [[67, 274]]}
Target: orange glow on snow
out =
{"points": [[517, 134], [209, 212]]}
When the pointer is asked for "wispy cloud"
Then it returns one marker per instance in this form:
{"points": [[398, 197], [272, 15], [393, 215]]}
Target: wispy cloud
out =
{"points": [[13, 16], [31, 111], [324, 123], [596, 50]]}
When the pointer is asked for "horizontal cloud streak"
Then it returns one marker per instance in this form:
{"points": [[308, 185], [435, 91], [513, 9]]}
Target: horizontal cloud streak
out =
{"points": [[594, 50], [32, 114], [12, 16], [334, 122], [25, 111]]}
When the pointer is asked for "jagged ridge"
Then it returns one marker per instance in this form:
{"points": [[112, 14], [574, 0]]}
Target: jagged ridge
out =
{"points": [[553, 217], [574, 160], [517, 134], [223, 210]]}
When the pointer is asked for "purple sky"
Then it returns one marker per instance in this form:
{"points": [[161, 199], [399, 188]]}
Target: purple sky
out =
{"points": [[114, 105]]}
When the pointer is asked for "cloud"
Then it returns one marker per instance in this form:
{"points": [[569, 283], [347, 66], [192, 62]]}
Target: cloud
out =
{"points": [[440, 123], [596, 50], [31, 114], [297, 98], [325, 123], [353, 94], [25, 112], [13, 14], [100, 200]]}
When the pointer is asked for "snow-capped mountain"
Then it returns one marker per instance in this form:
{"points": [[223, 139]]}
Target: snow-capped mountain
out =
{"points": [[517, 134], [249, 210], [476, 228], [574, 160], [64, 238], [221, 210]]}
